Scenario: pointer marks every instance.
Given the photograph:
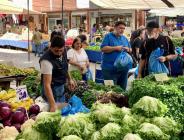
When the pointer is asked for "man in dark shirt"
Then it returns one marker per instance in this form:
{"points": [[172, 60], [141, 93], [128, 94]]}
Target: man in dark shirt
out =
{"points": [[154, 41]]}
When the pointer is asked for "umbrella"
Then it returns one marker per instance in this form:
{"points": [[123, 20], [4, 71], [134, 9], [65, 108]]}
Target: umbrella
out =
{"points": [[138, 4], [8, 7]]}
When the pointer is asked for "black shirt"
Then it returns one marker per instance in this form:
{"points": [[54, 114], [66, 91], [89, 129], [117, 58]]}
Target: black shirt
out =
{"points": [[150, 45], [136, 44]]}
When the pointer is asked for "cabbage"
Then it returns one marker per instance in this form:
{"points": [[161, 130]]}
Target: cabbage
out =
{"points": [[27, 124], [111, 131], [47, 122], [105, 113], [129, 124], [149, 107], [167, 125], [32, 134], [126, 111], [8, 133], [130, 136], [78, 124], [149, 131], [71, 137], [96, 136]]}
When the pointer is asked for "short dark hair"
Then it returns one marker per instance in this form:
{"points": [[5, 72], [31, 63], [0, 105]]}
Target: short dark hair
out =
{"points": [[82, 37], [119, 23], [140, 31], [75, 40], [152, 24], [57, 41]]}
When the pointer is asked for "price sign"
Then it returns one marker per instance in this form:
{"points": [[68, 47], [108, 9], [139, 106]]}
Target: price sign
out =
{"points": [[22, 93], [109, 82], [161, 77]]}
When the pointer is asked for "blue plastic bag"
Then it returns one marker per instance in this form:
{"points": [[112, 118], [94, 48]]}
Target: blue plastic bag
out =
{"points": [[89, 75], [74, 106], [154, 65], [123, 61]]}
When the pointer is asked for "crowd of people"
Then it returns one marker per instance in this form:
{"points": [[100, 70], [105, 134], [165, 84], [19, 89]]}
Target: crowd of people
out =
{"points": [[57, 62]]}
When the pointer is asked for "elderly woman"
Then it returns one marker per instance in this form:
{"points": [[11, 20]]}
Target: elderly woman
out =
{"points": [[78, 58]]}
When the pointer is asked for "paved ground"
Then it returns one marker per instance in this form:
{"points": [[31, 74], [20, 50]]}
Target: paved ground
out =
{"points": [[18, 58]]}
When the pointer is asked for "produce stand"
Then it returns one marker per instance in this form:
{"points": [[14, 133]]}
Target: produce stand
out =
{"points": [[94, 56], [15, 43], [5, 80]]}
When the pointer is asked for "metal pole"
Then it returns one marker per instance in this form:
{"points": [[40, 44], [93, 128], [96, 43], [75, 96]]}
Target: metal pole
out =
{"points": [[28, 31], [62, 10]]}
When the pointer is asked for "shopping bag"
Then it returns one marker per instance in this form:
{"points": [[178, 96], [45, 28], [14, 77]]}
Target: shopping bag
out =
{"points": [[154, 65], [123, 61], [89, 75]]}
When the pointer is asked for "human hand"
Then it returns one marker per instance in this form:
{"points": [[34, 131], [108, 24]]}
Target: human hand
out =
{"points": [[126, 49], [162, 59], [138, 76], [119, 48], [53, 108]]}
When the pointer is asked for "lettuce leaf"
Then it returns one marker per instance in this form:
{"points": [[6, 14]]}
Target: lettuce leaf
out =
{"points": [[149, 107], [167, 125], [149, 131], [78, 124]]}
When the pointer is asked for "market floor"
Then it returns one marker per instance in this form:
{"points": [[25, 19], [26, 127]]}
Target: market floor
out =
{"points": [[18, 58]]}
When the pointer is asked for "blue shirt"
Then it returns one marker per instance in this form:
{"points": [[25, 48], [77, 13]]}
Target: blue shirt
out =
{"points": [[112, 40]]}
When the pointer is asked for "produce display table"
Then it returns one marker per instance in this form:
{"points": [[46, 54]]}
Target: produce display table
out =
{"points": [[94, 56], [5, 80], [21, 44], [15, 43]]}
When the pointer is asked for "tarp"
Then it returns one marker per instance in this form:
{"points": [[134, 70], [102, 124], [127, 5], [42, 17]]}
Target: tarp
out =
{"points": [[169, 12], [136, 4], [7, 7]]}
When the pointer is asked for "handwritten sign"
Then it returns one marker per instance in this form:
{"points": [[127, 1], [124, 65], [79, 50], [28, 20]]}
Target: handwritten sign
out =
{"points": [[161, 77], [22, 93], [109, 82]]}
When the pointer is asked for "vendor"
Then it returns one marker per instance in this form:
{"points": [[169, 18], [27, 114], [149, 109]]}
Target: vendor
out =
{"points": [[54, 70], [78, 58]]}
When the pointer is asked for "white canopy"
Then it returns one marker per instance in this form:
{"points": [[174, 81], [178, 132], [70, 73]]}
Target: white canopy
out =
{"points": [[8, 7], [137, 4], [169, 12]]}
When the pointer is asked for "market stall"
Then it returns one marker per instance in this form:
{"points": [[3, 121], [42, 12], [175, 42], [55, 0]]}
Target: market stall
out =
{"points": [[150, 110]]}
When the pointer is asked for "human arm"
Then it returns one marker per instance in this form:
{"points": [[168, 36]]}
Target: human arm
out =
{"points": [[171, 54], [47, 78], [141, 66], [71, 82]]}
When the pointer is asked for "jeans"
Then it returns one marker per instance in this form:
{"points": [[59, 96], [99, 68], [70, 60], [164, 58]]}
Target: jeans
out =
{"points": [[37, 50], [119, 77], [58, 93]]}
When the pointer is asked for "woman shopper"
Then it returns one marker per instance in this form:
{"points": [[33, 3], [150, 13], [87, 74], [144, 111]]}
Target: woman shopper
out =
{"points": [[78, 59]]}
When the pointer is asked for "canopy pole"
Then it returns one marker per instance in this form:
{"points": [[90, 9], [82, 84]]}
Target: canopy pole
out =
{"points": [[28, 31], [62, 10]]}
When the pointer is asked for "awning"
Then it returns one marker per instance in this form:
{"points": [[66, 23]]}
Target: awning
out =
{"points": [[31, 12], [7, 7], [169, 12], [138, 4]]}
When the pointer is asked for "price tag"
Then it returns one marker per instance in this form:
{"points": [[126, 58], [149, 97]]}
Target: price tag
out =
{"points": [[161, 77], [109, 82], [22, 93]]}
